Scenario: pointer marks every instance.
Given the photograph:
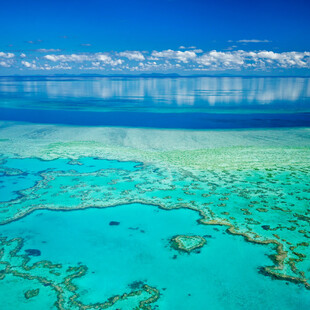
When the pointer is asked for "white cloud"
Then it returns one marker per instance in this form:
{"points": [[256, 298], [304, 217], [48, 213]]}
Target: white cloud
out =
{"points": [[33, 65], [182, 60], [177, 55], [182, 47], [6, 59], [47, 50], [77, 58], [103, 58], [153, 58], [106, 59], [223, 59], [132, 55], [5, 64], [214, 60], [252, 41], [285, 59], [27, 64], [68, 58], [6, 55], [262, 59], [57, 67], [115, 62], [198, 51]]}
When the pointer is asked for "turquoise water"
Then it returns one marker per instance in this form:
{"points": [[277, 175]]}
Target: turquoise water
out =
{"points": [[63, 246], [30, 169], [223, 275], [137, 247], [12, 290]]}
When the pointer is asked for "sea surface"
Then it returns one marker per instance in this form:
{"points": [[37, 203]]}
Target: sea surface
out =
{"points": [[154, 193]]}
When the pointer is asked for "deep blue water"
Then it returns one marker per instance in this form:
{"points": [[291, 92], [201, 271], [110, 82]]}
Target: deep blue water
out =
{"points": [[190, 103], [158, 120]]}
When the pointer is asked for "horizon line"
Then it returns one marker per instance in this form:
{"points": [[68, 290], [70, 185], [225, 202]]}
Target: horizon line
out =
{"points": [[152, 75]]}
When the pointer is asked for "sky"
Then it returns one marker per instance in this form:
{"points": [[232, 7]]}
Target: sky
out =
{"points": [[161, 36]]}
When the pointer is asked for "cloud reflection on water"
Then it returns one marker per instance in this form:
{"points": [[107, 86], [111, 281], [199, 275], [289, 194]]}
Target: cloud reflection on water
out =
{"points": [[204, 92]]}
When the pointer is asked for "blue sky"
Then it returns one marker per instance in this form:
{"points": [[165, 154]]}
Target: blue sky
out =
{"points": [[187, 37]]}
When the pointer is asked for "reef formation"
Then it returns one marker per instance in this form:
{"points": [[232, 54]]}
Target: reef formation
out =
{"points": [[187, 243], [59, 279], [265, 205], [261, 193]]}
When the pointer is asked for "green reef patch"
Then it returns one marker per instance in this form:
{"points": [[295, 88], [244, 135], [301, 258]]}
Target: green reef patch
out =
{"points": [[187, 243], [32, 293], [237, 157]]}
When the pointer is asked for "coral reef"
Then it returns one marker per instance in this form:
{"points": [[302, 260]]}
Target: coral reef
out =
{"points": [[187, 243], [59, 278]]}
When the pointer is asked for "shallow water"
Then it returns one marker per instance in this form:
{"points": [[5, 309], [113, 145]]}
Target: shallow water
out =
{"points": [[225, 271], [29, 172]]}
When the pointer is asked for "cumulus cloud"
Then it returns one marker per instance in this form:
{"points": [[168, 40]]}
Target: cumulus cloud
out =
{"points": [[236, 59], [57, 67], [176, 55], [5, 64], [68, 58], [7, 55], [165, 60], [285, 59], [103, 58], [197, 50], [35, 66], [223, 59], [26, 64], [132, 55], [29, 65], [261, 59], [6, 59]]}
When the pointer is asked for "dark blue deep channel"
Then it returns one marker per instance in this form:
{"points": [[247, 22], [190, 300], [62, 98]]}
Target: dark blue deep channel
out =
{"points": [[158, 120]]}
